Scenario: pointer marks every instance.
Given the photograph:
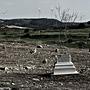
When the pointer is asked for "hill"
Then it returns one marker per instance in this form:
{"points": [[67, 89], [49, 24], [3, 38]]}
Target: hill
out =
{"points": [[32, 23], [42, 23]]}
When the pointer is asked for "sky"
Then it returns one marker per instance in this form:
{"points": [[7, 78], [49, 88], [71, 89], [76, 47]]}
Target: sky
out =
{"points": [[42, 8]]}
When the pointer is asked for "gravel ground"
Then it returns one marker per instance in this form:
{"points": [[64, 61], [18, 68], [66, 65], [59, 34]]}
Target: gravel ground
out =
{"points": [[28, 69]]}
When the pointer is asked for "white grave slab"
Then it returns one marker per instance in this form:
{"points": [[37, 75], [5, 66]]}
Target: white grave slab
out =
{"points": [[64, 65]]}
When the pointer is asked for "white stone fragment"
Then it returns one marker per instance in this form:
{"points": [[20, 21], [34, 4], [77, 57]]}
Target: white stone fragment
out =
{"points": [[36, 79]]}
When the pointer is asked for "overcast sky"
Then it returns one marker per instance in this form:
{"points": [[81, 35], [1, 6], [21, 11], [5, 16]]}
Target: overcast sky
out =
{"points": [[31, 8]]}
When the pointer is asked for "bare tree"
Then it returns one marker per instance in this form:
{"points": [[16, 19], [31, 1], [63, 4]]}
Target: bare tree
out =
{"points": [[66, 16]]}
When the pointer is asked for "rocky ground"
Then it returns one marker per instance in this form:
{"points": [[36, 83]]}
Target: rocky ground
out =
{"points": [[26, 66]]}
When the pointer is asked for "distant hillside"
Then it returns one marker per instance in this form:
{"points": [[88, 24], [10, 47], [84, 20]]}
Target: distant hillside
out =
{"points": [[32, 23], [41, 23]]}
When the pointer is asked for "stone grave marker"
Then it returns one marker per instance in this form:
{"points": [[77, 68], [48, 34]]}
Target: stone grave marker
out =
{"points": [[64, 65]]}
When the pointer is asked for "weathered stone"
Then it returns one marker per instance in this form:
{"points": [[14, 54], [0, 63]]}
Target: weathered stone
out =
{"points": [[64, 65], [39, 46]]}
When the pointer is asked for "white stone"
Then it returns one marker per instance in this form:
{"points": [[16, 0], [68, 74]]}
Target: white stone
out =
{"points": [[13, 83], [39, 46], [64, 65], [36, 79]]}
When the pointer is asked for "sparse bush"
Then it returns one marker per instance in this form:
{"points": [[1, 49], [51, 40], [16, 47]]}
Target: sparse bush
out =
{"points": [[25, 36], [69, 40], [89, 35], [26, 31], [4, 33], [88, 22], [81, 44], [81, 25]]}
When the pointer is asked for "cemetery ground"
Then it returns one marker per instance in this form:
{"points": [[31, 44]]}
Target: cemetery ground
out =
{"points": [[24, 68]]}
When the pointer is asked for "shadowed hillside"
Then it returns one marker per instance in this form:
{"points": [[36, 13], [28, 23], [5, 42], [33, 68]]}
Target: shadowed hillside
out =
{"points": [[43, 23]]}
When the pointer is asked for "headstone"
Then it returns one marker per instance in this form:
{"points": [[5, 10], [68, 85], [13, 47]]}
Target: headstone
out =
{"points": [[64, 65]]}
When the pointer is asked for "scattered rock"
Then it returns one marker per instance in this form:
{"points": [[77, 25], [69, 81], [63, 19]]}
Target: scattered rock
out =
{"points": [[70, 82], [27, 67], [41, 78], [61, 83], [17, 69], [56, 57], [7, 83], [51, 83], [36, 79], [22, 85], [44, 61], [39, 46], [57, 50], [2, 68], [34, 83], [33, 51], [13, 83], [88, 68]]}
